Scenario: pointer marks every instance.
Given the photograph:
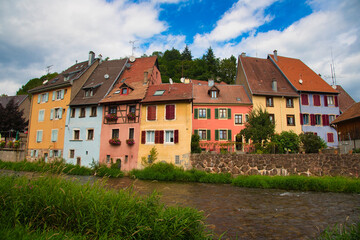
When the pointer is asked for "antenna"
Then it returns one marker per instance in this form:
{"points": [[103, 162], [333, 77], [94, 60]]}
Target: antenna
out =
{"points": [[48, 68], [332, 66], [132, 47]]}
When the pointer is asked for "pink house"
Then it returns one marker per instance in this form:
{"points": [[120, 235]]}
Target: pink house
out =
{"points": [[120, 133], [219, 114]]}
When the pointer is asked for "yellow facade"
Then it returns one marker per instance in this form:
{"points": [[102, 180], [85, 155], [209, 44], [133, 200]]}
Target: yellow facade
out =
{"points": [[176, 153], [281, 112], [48, 116]]}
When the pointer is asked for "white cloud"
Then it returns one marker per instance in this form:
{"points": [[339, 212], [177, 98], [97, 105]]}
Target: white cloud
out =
{"points": [[162, 43]]}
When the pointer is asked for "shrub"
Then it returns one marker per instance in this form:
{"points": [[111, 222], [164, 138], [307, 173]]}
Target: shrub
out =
{"points": [[2, 144], [312, 143], [195, 144], [286, 142], [356, 150]]}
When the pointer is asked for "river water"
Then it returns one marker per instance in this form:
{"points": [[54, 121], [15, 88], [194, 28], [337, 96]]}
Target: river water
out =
{"points": [[253, 213]]}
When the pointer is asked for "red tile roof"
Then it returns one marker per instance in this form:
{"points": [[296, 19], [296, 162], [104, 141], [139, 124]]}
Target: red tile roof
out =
{"points": [[260, 74], [203, 82], [350, 113], [345, 100], [295, 69], [172, 92], [228, 94]]}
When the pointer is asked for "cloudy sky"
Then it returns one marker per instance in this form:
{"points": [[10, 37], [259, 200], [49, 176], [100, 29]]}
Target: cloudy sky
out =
{"points": [[35, 34]]}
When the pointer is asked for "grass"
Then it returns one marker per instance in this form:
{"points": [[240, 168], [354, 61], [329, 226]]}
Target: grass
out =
{"points": [[342, 232], [39, 208]]}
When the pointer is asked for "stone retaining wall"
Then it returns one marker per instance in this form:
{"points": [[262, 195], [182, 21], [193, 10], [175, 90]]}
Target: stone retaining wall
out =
{"points": [[279, 164], [12, 155]]}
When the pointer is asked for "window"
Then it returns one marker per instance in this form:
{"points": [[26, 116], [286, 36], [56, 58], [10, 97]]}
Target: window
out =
{"points": [[177, 159], [124, 91], [159, 92], [202, 134], [289, 103], [170, 112], [305, 119], [238, 119], [57, 113], [151, 113], [202, 112], [82, 112], [304, 99], [115, 134], [93, 111], [150, 136], [71, 153], [331, 118], [131, 133], [317, 119], [269, 101], [330, 100], [54, 135], [126, 158], [272, 118], [169, 136], [89, 92], [41, 115], [112, 110], [90, 134], [72, 113], [213, 94], [316, 99], [76, 135], [108, 158], [42, 98], [223, 134], [222, 113], [57, 95], [78, 161], [246, 117], [39, 134], [330, 137], [290, 119], [132, 108]]}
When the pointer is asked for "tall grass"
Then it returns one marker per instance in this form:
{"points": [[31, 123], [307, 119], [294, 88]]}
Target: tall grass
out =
{"points": [[170, 172], [52, 204], [342, 232]]}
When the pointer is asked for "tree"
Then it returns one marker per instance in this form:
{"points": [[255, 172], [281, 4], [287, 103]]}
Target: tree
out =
{"points": [[227, 70], [312, 143], [258, 128], [35, 82], [11, 118], [212, 63], [186, 54], [286, 142], [195, 144]]}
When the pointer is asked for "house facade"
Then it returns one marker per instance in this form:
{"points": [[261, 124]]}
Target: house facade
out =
{"points": [[84, 118], [268, 89], [166, 124], [120, 130], [319, 101], [219, 114], [49, 106]]}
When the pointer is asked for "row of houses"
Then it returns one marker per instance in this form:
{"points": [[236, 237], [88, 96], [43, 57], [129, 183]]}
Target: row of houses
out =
{"points": [[118, 110]]}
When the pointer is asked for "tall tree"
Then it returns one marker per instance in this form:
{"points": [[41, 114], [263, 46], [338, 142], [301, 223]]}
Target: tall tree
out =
{"points": [[186, 54], [227, 70], [12, 118], [212, 63]]}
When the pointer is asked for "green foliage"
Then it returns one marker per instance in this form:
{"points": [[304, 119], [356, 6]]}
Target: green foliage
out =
{"points": [[195, 144], [286, 142], [46, 204], [170, 172], [300, 183], [356, 150], [312, 143], [151, 158], [35, 82], [342, 232], [104, 171], [11, 118], [258, 128]]}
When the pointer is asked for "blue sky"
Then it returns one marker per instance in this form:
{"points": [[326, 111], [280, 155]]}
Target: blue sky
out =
{"points": [[38, 33]]}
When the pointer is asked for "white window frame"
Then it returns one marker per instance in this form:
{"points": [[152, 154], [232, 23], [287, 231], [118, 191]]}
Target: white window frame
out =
{"points": [[226, 134], [330, 100], [241, 119], [308, 119], [200, 135], [225, 113], [150, 137], [41, 117], [39, 136], [319, 116], [73, 138], [167, 139], [87, 134], [204, 110]]}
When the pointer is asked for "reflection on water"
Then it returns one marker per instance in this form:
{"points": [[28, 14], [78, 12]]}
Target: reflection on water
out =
{"points": [[250, 213]]}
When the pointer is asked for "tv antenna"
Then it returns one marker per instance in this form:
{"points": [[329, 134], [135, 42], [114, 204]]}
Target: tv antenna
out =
{"points": [[48, 69], [332, 66], [132, 47]]}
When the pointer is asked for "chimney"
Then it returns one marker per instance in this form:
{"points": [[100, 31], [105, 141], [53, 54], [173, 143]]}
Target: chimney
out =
{"points": [[91, 57], [211, 82], [274, 85], [275, 55], [243, 54], [145, 77]]}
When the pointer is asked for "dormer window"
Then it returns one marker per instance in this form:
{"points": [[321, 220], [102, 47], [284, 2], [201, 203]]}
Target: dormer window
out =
{"points": [[124, 91], [213, 94], [89, 92]]}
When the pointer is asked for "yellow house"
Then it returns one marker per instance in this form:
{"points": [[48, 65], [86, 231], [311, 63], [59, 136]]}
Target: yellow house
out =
{"points": [[166, 124], [270, 90], [49, 106]]}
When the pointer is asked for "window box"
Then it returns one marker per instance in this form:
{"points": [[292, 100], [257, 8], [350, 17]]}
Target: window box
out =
{"points": [[130, 142], [115, 141], [131, 116], [111, 117]]}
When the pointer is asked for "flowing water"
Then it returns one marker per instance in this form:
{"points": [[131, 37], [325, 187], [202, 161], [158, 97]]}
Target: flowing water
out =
{"points": [[252, 213]]}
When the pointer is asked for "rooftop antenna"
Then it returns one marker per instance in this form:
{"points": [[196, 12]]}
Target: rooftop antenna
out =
{"points": [[48, 69], [132, 47], [332, 66]]}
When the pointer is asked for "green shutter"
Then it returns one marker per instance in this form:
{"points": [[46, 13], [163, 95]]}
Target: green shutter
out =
{"points": [[229, 135], [51, 153], [196, 113], [53, 96], [31, 153], [52, 114], [196, 132], [62, 93], [229, 113], [47, 97], [208, 135], [60, 115], [216, 135], [216, 113], [59, 153], [208, 114], [39, 98]]}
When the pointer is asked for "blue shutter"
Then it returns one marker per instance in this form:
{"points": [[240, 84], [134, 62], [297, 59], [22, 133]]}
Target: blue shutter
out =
{"points": [[53, 97], [62, 93], [52, 114], [51, 153], [36, 153], [31, 153], [39, 98], [60, 115], [59, 153], [47, 97]]}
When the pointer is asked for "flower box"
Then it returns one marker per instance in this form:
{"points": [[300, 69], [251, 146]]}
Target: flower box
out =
{"points": [[130, 142], [131, 116], [115, 141], [111, 117]]}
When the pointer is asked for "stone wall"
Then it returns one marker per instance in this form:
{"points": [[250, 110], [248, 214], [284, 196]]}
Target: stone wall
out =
{"points": [[279, 164], [12, 155]]}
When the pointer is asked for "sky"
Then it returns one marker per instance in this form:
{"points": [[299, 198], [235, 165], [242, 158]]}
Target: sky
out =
{"points": [[35, 34]]}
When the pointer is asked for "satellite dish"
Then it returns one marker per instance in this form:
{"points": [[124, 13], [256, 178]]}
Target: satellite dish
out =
{"points": [[45, 82], [106, 76], [132, 59], [300, 81], [182, 79], [171, 81]]}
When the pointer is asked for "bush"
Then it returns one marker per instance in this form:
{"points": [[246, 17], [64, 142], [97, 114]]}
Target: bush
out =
{"points": [[195, 144], [312, 143], [356, 150], [286, 142]]}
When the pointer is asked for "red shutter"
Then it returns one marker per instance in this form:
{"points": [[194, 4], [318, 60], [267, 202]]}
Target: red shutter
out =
{"points": [[157, 136], [176, 136], [151, 114], [325, 101], [301, 119], [143, 137], [316, 99], [327, 120], [161, 136], [312, 119], [170, 112], [336, 101], [323, 120], [304, 99], [330, 137]]}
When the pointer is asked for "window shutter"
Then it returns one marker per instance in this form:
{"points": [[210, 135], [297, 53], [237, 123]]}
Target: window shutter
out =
{"points": [[51, 153], [31, 153], [62, 93], [208, 135], [196, 113], [170, 112], [151, 113], [336, 101], [325, 101], [52, 114], [301, 119], [161, 136], [36, 153], [229, 113], [304, 99], [60, 115], [327, 120], [216, 135], [196, 132], [143, 137], [229, 135], [53, 96], [208, 114], [312, 119], [157, 136], [39, 98], [59, 153], [176, 136], [47, 97], [216, 113]]}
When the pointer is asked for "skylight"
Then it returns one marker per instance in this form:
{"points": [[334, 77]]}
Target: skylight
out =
{"points": [[159, 93]]}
